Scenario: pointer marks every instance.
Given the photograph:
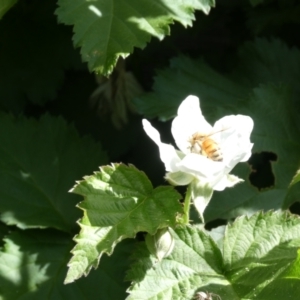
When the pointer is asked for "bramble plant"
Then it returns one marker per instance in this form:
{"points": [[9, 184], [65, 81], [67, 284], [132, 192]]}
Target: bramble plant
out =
{"points": [[114, 184]]}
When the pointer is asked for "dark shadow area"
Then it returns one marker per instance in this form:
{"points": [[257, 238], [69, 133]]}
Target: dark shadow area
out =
{"points": [[262, 174], [295, 208], [215, 223]]}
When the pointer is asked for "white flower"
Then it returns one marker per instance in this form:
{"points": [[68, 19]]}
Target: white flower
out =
{"points": [[207, 153]]}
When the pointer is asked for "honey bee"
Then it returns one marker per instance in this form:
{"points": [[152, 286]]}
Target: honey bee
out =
{"points": [[205, 145], [206, 296]]}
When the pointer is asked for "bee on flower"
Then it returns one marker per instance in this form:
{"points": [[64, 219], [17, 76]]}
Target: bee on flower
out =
{"points": [[206, 154]]}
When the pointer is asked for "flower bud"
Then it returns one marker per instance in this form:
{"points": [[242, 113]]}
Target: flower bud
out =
{"points": [[161, 244]]}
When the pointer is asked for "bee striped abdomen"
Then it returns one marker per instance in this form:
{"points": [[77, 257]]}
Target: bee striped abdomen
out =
{"points": [[211, 150], [204, 145]]}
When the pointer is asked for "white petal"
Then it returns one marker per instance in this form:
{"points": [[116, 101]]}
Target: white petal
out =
{"points": [[201, 195], [201, 167], [240, 122], [227, 181], [188, 121], [234, 139], [168, 154], [179, 178], [151, 131]]}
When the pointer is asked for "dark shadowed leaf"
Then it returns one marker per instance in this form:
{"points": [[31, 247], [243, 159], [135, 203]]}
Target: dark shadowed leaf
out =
{"points": [[40, 160], [33, 266]]}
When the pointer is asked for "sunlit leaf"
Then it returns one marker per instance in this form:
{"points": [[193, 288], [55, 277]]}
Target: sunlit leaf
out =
{"points": [[258, 260], [33, 265], [107, 30], [119, 202], [296, 178]]}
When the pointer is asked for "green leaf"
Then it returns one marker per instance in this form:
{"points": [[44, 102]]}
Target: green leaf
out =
{"points": [[274, 126], [119, 202], [294, 270], [190, 77], [106, 31], [293, 192], [33, 266], [5, 5], [39, 162], [257, 253], [296, 178], [266, 61], [276, 129], [258, 260], [242, 199], [194, 260], [4, 230]]}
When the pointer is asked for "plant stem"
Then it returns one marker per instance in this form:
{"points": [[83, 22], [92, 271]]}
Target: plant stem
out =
{"points": [[186, 206]]}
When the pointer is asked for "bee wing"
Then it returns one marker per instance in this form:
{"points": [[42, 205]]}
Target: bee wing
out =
{"points": [[218, 131]]}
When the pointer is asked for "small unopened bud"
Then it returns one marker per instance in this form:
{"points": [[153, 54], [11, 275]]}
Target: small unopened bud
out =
{"points": [[161, 244]]}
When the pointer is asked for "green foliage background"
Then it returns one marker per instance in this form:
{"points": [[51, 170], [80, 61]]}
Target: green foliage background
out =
{"points": [[59, 122]]}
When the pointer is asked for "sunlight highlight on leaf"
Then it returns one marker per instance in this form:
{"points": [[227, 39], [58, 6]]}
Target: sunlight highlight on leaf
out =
{"points": [[116, 27], [95, 10], [119, 202], [258, 260]]}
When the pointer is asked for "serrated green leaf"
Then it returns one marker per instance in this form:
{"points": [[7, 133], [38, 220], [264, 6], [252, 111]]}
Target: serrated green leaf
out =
{"points": [[259, 262], [119, 202], [194, 260], [39, 162], [5, 5], [265, 61], [258, 251], [33, 266], [106, 31], [36, 71]]}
